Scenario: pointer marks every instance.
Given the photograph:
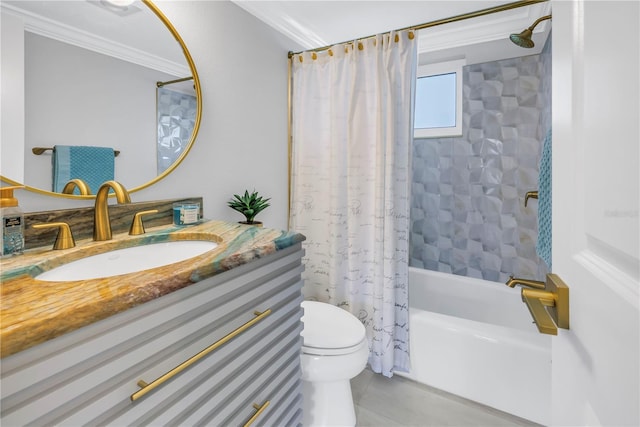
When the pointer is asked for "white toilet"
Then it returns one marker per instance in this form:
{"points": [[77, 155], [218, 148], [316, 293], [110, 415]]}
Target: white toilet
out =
{"points": [[335, 349]]}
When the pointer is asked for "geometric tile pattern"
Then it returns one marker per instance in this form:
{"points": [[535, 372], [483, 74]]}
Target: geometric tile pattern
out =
{"points": [[176, 119], [467, 203]]}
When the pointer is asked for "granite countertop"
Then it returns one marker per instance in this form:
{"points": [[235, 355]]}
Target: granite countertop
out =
{"points": [[33, 311]]}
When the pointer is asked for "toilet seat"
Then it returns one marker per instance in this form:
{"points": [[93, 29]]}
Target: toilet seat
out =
{"points": [[329, 330], [319, 351]]}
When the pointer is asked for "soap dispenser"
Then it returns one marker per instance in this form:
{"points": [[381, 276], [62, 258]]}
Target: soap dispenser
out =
{"points": [[12, 229]]}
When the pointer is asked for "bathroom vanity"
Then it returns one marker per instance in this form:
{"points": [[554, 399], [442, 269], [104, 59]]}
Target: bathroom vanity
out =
{"points": [[214, 340]]}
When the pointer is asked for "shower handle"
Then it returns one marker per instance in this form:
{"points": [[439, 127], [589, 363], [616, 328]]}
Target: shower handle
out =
{"points": [[530, 195]]}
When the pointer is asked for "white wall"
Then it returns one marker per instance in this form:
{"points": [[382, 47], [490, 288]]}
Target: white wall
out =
{"points": [[74, 96], [12, 99], [242, 143]]}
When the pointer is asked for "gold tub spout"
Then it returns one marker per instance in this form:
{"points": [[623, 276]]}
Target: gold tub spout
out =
{"points": [[530, 195], [513, 281], [101, 222]]}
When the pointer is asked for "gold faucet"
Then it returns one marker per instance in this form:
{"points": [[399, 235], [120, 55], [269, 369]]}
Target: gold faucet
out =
{"points": [[512, 282], [79, 184], [101, 222]]}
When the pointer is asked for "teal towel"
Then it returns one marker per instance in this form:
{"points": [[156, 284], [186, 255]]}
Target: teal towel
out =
{"points": [[93, 165], [543, 247]]}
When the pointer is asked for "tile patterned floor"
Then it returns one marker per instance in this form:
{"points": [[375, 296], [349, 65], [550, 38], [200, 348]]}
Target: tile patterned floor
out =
{"points": [[397, 401]]}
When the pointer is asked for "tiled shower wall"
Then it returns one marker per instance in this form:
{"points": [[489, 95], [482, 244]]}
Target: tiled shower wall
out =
{"points": [[467, 203]]}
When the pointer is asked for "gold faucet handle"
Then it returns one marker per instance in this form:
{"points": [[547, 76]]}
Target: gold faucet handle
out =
{"points": [[137, 226], [64, 239]]}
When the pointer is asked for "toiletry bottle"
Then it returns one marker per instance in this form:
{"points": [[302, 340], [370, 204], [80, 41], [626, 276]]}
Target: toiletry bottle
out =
{"points": [[12, 228]]}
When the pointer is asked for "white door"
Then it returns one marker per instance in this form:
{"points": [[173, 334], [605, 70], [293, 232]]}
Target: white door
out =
{"points": [[595, 374]]}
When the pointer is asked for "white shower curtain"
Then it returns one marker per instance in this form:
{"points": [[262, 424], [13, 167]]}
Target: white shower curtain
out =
{"points": [[352, 132]]}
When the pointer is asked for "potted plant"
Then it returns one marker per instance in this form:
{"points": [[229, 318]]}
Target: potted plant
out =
{"points": [[249, 205]]}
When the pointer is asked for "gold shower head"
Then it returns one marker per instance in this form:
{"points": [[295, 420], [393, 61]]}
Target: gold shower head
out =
{"points": [[523, 39]]}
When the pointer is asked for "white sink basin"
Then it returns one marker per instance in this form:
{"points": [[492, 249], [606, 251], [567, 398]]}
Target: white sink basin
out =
{"points": [[127, 260]]}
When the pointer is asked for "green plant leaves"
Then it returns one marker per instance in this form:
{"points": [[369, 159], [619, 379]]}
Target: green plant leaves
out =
{"points": [[249, 204]]}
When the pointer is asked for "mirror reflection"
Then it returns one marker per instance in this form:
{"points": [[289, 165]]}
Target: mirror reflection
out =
{"points": [[101, 80], [176, 107]]}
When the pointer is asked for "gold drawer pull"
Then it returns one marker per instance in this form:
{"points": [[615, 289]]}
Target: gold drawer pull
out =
{"points": [[259, 410], [147, 387]]}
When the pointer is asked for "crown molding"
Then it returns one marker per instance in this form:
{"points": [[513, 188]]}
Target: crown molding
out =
{"points": [[487, 33], [490, 28], [277, 17], [46, 27]]}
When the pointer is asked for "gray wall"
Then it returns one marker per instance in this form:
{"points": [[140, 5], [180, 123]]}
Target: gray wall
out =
{"points": [[467, 209], [242, 143]]}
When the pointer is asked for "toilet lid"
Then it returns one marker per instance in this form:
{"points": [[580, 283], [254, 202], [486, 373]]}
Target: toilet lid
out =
{"points": [[327, 327]]}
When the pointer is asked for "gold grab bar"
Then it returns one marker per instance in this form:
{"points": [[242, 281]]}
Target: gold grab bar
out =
{"points": [[39, 150], [147, 387], [259, 410]]}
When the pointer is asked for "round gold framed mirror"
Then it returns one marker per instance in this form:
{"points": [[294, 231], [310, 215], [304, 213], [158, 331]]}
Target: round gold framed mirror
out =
{"points": [[174, 76]]}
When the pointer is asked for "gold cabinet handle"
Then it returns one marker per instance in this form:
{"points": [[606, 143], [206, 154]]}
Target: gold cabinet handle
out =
{"points": [[64, 239], [259, 410], [147, 387]]}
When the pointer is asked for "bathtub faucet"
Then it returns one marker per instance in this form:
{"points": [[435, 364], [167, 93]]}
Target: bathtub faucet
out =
{"points": [[513, 281]]}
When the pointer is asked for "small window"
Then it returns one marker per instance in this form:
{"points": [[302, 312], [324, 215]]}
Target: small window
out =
{"points": [[438, 108]]}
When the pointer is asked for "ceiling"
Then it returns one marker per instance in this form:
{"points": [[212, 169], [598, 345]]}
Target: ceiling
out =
{"points": [[314, 24], [309, 23]]}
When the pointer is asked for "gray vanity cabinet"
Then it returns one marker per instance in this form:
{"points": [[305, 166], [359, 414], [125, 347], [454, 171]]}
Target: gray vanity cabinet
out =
{"points": [[88, 376]]}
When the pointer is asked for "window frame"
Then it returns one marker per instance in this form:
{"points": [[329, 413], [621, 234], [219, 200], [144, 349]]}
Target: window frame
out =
{"points": [[436, 69]]}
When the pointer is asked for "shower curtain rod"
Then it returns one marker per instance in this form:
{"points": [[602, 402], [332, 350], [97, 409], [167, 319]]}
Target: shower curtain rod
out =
{"points": [[456, 18], [184, 79]]}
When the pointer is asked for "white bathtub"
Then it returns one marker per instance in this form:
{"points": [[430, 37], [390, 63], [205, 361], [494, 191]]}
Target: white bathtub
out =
{"points": [[476, 339]]}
